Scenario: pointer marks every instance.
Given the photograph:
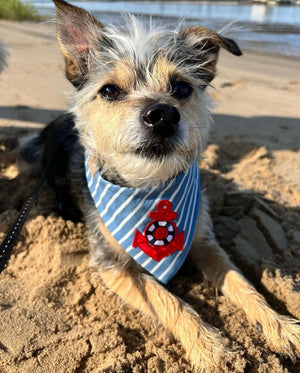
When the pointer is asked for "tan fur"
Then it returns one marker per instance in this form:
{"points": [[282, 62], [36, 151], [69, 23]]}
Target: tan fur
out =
{"points": [[202, 343], [112, 131], [114, 245], [281, 332], [163, 71], [123, 75], [210, 44]]}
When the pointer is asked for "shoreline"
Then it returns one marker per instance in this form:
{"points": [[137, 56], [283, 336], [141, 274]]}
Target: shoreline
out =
{"points": [[270, 28]]}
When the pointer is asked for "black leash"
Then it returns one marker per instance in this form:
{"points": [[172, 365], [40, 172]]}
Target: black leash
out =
{"points": [[58, 136], [10, 239]]}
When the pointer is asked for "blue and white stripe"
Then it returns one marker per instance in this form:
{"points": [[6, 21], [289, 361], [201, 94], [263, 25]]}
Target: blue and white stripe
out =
{"points": [[125, 210]]}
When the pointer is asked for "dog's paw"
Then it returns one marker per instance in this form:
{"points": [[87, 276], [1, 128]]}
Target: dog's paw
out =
{"points": [[283, 334], [207, 351], [207, 360]]}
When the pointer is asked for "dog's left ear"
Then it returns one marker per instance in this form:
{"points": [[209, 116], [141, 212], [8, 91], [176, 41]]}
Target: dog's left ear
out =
{"points": [[79, 35], [204, 45]]}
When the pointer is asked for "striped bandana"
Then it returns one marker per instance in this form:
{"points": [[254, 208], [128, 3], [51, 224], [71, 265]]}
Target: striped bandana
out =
{"points": [[155, 226]]}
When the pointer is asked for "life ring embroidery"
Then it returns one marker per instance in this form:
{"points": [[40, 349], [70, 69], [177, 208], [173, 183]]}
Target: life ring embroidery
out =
{"points": [[160, 233], [160, 238]]}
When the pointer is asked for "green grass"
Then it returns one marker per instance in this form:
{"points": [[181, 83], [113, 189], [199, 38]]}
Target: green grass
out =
{"points": [[17, 11]]}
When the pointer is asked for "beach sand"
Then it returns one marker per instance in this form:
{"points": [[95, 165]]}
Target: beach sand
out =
{"points": [[55, 314]]}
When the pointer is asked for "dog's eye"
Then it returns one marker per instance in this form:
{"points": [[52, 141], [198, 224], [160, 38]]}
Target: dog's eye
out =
{"points": [[110, 92], [181, 89]]}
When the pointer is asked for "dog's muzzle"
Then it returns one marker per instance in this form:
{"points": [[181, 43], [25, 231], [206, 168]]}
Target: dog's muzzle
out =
{"points": [[162, 119]]}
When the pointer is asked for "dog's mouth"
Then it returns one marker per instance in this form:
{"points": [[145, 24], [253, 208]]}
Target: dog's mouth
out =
{"points": [[158, 149], [164, 149]]}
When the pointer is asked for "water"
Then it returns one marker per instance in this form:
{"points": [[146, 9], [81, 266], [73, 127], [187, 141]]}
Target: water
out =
{"points": [[271, 29]]}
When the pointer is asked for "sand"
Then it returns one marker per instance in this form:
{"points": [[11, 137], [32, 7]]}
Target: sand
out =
{"points": [[55, 314]]}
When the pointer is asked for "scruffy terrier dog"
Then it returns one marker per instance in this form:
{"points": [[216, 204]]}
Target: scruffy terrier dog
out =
{"points": [[142, 118]]}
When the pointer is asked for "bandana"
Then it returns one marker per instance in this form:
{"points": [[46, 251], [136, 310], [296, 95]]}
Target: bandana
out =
{"points": [[155, 226]]}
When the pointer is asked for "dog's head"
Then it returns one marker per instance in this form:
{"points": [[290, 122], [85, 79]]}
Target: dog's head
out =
{"points": [[141, 104]]}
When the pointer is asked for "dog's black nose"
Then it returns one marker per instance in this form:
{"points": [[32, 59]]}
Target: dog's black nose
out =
{"points": [[161, 118]]}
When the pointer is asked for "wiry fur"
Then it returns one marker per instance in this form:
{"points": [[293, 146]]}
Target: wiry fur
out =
{"points": [[143, 62]]}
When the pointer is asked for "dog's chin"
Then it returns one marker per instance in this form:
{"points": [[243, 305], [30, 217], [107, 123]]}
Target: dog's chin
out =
{"points": [[147, 166], [149, 163], [156, 164]]}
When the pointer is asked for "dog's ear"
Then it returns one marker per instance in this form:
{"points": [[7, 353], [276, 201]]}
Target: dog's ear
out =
{"points": [[79, 34], [203, 45]]}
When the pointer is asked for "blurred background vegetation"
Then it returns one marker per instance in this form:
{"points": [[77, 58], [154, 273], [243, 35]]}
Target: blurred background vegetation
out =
{"points": [[18, 11]]}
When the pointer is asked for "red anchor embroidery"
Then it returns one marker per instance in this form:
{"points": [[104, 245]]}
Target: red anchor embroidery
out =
{"points": [[160, 238]]}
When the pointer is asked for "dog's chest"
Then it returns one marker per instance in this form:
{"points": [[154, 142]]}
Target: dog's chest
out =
{"points": [[155, 226]]}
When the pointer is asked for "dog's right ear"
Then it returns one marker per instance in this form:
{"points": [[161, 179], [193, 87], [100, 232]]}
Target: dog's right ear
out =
{"points": [[79, 35]]}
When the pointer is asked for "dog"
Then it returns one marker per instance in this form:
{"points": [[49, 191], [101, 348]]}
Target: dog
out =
{"points": [[140, 115]]}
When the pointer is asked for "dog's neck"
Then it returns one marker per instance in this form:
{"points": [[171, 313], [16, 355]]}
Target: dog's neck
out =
{"points": [[114, 177], [155, 225], [110, 174]]}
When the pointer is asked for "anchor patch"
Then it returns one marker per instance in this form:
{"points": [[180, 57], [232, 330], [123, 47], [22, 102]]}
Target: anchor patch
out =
{"points": [[160, 238]]}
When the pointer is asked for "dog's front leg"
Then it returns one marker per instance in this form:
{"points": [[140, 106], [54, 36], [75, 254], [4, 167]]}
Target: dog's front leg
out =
{"points": [[282, 332], [202, 343]]}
